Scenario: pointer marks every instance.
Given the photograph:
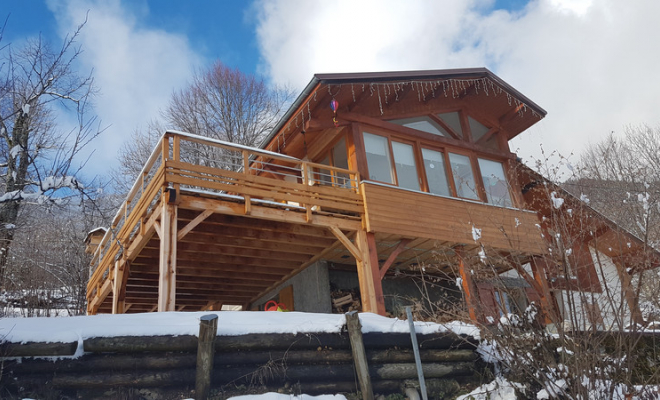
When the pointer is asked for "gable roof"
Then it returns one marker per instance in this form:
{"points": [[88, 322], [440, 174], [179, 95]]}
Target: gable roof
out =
{"points": [[612, 239], [465, 76]]}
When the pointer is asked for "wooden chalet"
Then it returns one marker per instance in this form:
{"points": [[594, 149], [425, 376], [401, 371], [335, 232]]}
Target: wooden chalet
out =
{"points": [[376, 172]]}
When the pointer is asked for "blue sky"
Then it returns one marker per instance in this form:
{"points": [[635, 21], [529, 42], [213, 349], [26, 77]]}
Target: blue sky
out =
{"points": [[589, 63], [217, 29]]}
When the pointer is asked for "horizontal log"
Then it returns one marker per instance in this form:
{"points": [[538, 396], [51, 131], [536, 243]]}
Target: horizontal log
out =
{"points": [[381, 387], [130, 344], [35, 349], [277, 373], [286, 341], [105, 362], [162, 361], [281, 372], [447, 340], [137, 379]]}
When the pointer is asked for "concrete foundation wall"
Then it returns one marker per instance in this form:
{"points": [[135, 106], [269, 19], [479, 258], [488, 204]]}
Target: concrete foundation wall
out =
{"points": [[401, 291], [311, 290]]}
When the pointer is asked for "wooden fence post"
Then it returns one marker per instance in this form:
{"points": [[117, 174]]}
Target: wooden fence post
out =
{"points": [[359, 354], [208, 329]]}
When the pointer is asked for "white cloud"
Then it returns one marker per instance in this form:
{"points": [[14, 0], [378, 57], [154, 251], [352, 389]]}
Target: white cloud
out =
{"points": [[136, 68], [589, 63]]}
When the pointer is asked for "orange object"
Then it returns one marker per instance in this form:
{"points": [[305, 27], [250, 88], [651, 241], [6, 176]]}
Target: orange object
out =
{"points": [[272, 305]]}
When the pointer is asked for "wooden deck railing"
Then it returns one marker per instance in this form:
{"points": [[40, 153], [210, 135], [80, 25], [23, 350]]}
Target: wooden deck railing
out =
{"points": [[195, 164]]}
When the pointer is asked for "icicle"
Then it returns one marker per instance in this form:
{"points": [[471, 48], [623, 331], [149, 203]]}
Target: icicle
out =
{"points": [[353, 92], [380, 102]]}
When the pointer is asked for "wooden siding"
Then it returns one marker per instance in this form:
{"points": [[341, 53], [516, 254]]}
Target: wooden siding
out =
{"points": [[414, 214]]}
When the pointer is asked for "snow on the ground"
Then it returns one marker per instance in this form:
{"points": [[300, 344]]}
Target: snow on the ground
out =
{"points": [[499, 389], [278, 396], [71, 329]]}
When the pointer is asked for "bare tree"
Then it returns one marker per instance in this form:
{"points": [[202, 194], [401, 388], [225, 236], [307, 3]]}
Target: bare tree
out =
{"points": [[133, 154], [38, 82], [227, 104], [220, 103], [621, 178]]}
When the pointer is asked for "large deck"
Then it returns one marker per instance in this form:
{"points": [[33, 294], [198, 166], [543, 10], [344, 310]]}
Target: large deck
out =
{"points": [[218, 232], [210, 223]]}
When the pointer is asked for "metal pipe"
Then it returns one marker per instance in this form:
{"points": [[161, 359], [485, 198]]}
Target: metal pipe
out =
{"points": [[418, 360]]}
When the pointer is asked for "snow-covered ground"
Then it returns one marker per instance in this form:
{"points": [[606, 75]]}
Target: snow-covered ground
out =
{"points": [[71, 329], [278, 396]]}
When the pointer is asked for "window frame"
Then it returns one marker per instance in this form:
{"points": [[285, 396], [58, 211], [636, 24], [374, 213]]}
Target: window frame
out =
{"points": [[419, 142]]}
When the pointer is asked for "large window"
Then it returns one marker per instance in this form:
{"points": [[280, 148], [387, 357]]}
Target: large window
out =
{"points": [[497, 189], [461, 169], [444, 173], [406, 168], [434, 166], [378, 158]]}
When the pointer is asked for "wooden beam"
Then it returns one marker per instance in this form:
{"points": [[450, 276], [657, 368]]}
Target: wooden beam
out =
{"points": [[192, 224], [100, 296], [158, 229], [467, 284], [223, 221], [220, 206], [511, 114], [371, 290], [143, 237], [540, 284], [628, 293], [347, 243], [359, 354], [167, 263], [117, 286], [393, 255]]}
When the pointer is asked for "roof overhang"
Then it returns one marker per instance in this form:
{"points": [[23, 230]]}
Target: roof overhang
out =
{"points": [[398, 76]]}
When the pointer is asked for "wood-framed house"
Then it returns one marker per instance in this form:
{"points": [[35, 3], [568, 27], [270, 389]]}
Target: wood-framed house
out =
{"points": [[367, 175]]}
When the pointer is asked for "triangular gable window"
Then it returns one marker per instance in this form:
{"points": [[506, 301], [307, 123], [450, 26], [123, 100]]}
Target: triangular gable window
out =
{"points": [[477, 129], [453, 120], [424, 124]]}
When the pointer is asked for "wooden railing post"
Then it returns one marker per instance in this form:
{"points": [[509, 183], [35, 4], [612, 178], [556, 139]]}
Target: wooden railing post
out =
{"points": [[208, 329], [246, 162], [359, 354], [305, 173], [176, 148], [165, 148]]}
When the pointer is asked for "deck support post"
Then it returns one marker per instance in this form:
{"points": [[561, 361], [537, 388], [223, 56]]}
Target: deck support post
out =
{"points": [[167, 266], [371, 289], [118, 286], [467, 284], [539, 266], [628, 293]]}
